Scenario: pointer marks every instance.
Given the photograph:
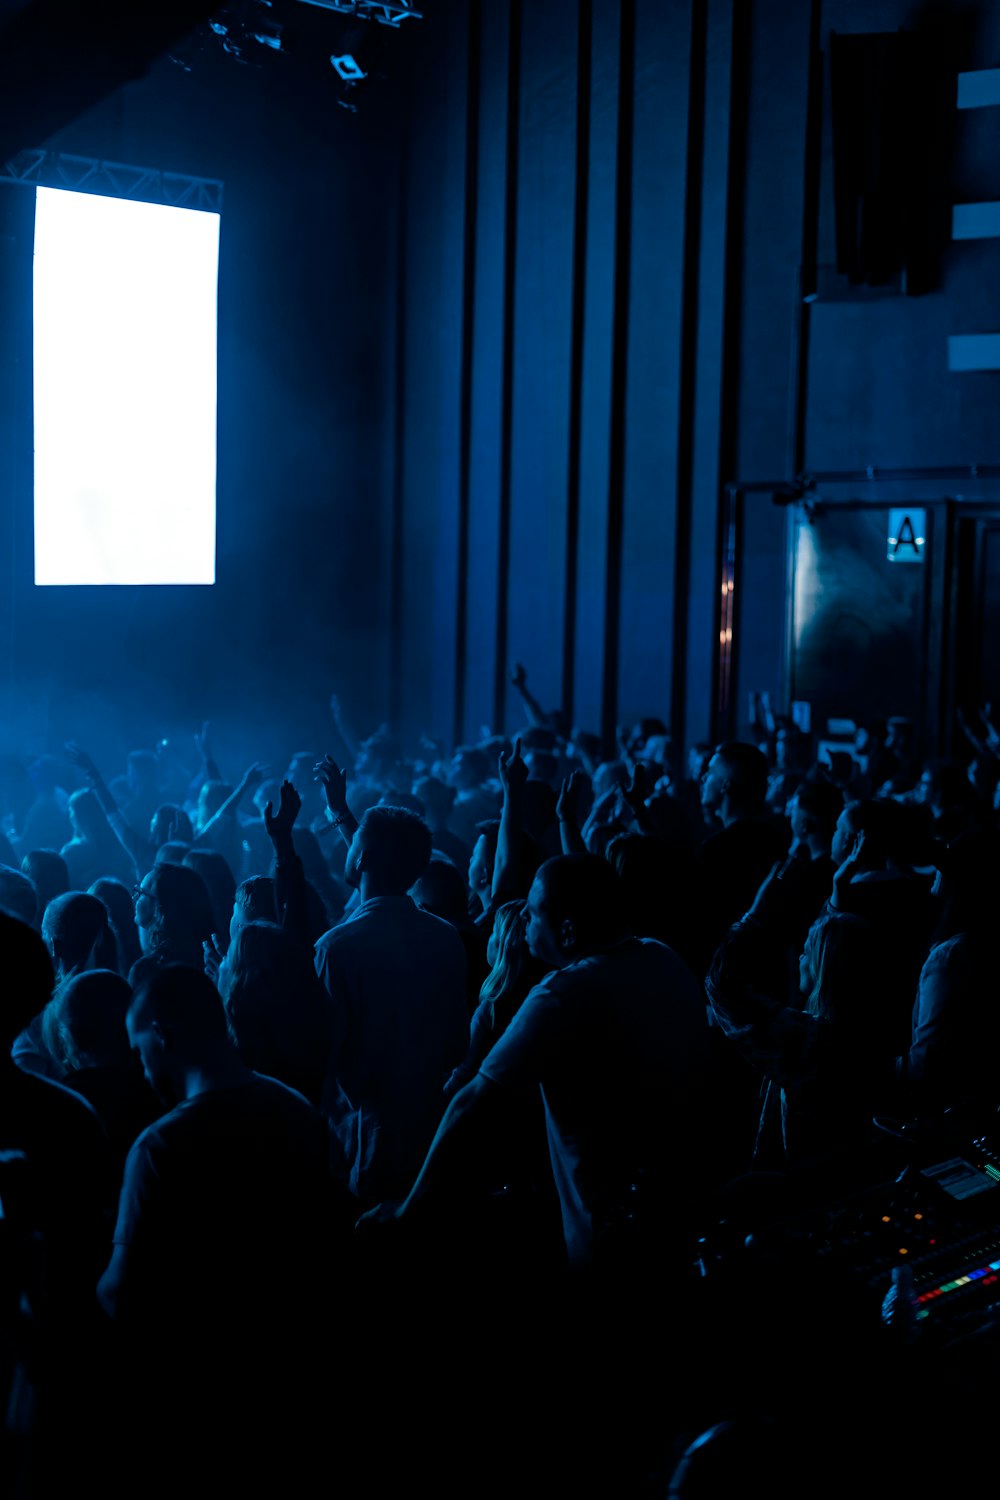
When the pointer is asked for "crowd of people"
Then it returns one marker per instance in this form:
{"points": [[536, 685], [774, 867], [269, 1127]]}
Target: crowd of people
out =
{"points": [[367, 1118]]}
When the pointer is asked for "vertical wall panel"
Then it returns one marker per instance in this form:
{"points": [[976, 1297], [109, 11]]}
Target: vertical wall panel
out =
{"points": [[596, 394], [542, 342], [433, 245], [659, 176], [702, 643], [487, 371]]}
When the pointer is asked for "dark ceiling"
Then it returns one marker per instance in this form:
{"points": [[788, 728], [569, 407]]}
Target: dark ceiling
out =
{"points": [[61, 57]]}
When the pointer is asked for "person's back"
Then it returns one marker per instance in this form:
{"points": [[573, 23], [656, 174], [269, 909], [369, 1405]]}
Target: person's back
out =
{"points": [[622, 1051], [397, 978], [231, 1239], [225, 1247]]}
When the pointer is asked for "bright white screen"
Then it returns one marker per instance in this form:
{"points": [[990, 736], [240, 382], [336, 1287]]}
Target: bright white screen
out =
{"points": [[125, 298]]}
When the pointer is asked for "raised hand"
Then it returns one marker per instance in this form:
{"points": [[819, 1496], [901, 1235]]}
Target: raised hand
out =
{"points": [[253, 777], [334, 783], [201, 739], [212, 955], [279, 824], [568, 800], [518, 676], [512, 770], [82, 761], [637, 788]]}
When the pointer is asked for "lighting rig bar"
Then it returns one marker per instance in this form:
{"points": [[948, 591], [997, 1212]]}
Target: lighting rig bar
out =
{"points": [[386, 12], [82, 174]]}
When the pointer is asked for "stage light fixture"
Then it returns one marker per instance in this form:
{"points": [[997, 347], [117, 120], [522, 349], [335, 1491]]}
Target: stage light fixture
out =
{"points": [[348, 68]]}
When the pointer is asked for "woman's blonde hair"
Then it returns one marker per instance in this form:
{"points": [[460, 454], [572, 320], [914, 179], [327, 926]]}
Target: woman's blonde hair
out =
{"points": [[841, 951], [509, 925]]}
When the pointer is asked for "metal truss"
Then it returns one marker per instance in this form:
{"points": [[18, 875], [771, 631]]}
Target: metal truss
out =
{"points": [[81, 174], [386, 12]]}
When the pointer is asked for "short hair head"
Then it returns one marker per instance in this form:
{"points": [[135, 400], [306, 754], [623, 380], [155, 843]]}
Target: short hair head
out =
{"points": [[584, 891], [396, 844], [184, 1004], [170, 821], [747, 770], [76, 928], [254, 899]]}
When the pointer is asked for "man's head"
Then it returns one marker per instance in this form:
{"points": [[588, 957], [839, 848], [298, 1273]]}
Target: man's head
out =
{"points": [[574, 908], [470, 767], [176, 1024], [734, 783], [253, 902], [77, 933], [170, 822], [813, 810], [437, 797], [390, 850]]}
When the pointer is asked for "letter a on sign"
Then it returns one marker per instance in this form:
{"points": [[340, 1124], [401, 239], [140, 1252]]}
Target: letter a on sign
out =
{"points": [[907, 536]]}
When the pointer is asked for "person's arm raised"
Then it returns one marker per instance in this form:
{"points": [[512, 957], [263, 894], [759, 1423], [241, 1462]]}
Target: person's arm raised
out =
{"points": [[635, 792], [138, 849], [537, 716], [252, 779], [513, 774], [208, 761], [567, 803], [333, 780], [289, 876]]}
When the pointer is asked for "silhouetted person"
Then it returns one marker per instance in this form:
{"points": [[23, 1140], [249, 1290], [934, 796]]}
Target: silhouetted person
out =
{"points": [[83, 1029], [733, 861], [173, 914], [400, 1021], [224, 1247]]}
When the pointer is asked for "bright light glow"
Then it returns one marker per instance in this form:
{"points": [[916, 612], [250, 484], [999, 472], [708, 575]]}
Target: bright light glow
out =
{"points": [[125, 315], [806, 580]]}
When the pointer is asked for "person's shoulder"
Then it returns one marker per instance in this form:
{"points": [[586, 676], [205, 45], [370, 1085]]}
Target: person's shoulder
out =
{"points": [[273, 1093], [947, 951], [424, 927], [342, 931], [58, 1101]]}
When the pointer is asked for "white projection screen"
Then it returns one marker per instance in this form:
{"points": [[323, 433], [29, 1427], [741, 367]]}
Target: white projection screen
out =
{"points": [[125, 313]]}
